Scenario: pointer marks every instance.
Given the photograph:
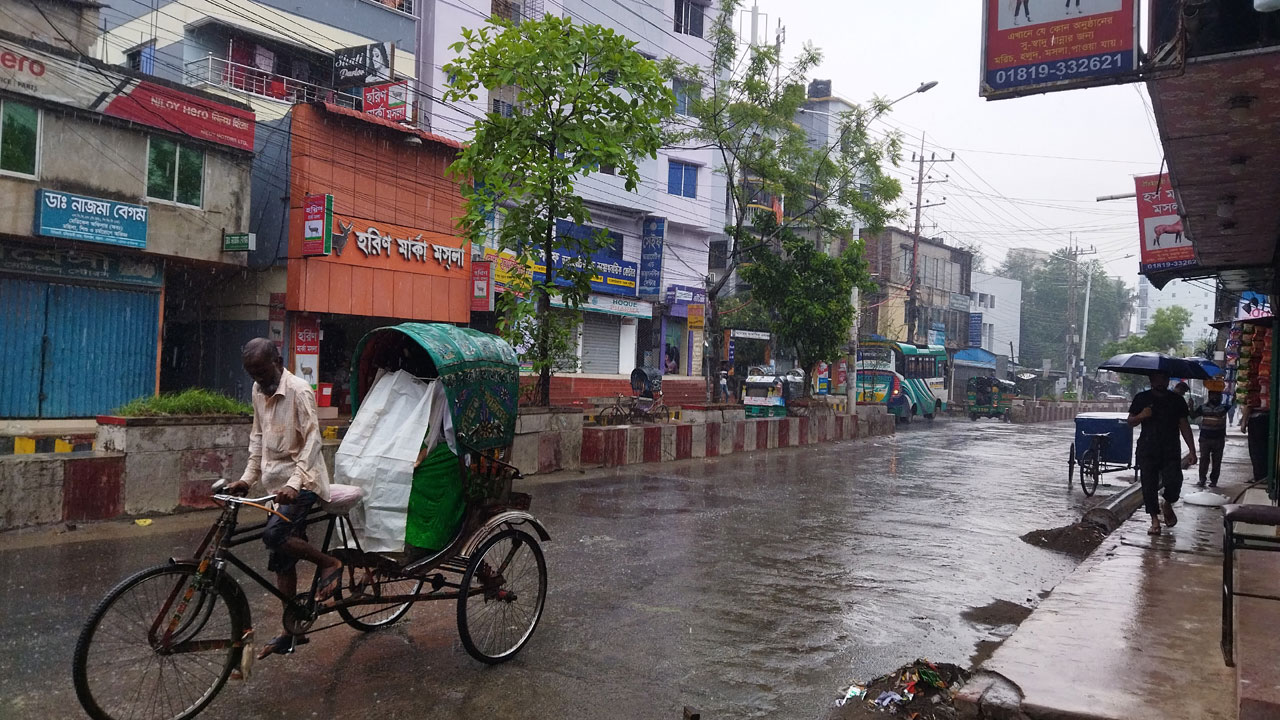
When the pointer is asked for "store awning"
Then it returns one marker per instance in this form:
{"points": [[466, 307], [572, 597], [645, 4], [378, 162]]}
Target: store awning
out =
{"points": [[975, 357], [1219, 124]]}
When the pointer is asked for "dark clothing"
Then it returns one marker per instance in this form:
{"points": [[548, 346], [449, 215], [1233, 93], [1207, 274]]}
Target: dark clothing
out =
{"points": [[1161, 433], [1213, 419], [1211, 453], [1156, 474], [1259, 426], [277, 531]]}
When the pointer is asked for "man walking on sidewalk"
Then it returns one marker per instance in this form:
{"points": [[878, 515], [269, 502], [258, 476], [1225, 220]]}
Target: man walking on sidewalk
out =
{"points": [[1163, 417], [1213, 436]]}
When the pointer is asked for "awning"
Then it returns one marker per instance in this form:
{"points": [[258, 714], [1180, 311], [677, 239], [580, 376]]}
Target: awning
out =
{"points": [[975, 357]]}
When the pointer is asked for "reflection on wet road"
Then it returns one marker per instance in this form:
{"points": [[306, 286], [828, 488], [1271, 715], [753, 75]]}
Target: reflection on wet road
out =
{"points": [[747, 586]]}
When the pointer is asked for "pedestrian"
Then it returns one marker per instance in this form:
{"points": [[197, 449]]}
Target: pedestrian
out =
{"points": [[1256, 421], [284, 456], [1163, 416], [1213, 437]]}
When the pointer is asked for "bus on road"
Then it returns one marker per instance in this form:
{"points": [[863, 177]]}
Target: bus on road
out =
{"points": [[909, 379]]}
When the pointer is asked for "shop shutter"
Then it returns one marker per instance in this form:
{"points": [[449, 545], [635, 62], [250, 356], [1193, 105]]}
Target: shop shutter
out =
{"points": [[21, 334], [101, 351], [600, 340]]}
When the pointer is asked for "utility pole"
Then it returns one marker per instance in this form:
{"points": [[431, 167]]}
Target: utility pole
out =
{"points": [[1084, 332], [913, 292]]}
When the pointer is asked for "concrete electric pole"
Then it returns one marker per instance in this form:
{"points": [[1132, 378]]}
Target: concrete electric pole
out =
{"points": [[913, 287]]}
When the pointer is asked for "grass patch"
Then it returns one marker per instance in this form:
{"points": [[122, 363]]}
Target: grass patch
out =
{"points": [[195, 401]]}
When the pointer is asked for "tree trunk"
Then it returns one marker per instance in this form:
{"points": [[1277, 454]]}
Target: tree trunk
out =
{"points": [[714, 335], [544, 299]]}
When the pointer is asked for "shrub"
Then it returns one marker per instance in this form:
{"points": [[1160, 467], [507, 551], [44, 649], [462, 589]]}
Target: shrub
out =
{"points": [[195, 401]]}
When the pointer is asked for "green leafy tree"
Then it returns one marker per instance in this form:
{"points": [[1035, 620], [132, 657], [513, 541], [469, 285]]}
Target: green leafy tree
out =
{"points": [[808, 291], [584, 98], [746, 110]]}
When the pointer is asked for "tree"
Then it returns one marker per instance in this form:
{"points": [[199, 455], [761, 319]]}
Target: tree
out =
{"points": [[584, 98], [808, 291], [746, 111]]}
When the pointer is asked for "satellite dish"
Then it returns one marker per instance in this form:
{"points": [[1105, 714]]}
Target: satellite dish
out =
{"points": [[1027, 376]]}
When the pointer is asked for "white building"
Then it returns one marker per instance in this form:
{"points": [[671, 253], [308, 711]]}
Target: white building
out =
{"points": [[995, 309], [1198, 298]]}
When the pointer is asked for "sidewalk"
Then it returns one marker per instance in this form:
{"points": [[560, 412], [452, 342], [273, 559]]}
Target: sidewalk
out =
{"points": [[1133, 633]]}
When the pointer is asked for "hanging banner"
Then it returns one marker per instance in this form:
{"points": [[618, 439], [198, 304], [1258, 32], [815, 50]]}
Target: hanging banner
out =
{"points": [[651, 244], [1164, 246], [317, 215], [1034, 47], [481, 286]]}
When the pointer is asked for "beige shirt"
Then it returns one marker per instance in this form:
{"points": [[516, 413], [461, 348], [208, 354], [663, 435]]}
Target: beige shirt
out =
{"points": [[284, 447]]}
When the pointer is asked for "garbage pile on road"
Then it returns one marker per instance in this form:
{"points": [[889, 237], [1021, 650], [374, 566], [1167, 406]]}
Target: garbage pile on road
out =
{"points": [[920, 691], [1077, 539]]}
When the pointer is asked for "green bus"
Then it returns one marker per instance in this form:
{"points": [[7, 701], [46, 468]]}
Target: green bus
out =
{"points": [[909, 379]]}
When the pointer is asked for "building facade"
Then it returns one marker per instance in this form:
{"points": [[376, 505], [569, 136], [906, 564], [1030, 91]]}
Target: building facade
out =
{"points": [[942, 286], [995, 314], [125, 198]]}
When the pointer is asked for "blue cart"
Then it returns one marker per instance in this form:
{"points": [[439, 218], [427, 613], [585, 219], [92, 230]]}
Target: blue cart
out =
{"points": [[1103, 444]]}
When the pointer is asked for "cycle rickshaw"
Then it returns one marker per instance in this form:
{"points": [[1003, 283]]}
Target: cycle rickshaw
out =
{"points": [[1103, 444], [164, 641]]}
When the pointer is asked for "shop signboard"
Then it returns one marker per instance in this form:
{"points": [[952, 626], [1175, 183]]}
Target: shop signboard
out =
{"points": [[975, 329], [1252, 306], [239, 242], [362, 64], [317, 219], [387, 100], [958, 302], [306, 348], [651, 246], [482, 286], [612, 305], [750, 334], [81, 264], [938, 334], [78, 217], [58, 79], [1061, 47], [1164, 246], [697, 316]]}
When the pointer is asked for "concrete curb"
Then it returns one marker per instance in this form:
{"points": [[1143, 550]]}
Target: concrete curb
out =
{"points": [[1117, 508]]}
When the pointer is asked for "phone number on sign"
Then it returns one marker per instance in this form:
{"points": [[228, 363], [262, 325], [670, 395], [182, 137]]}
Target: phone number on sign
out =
{"points": [[1062, 70]]}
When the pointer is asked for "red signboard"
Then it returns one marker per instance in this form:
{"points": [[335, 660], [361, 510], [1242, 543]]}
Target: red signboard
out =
{"points": [[1164, 245], [169, 109], [388, 100], [481, 286], [1053, 46], [317, 223]]}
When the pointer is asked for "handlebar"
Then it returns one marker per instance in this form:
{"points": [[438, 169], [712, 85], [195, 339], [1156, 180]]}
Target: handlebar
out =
{"points": [[243, 500]]}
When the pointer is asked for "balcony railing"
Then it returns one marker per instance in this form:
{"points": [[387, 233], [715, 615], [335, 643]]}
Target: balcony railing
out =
{"points": [[222, 73]]}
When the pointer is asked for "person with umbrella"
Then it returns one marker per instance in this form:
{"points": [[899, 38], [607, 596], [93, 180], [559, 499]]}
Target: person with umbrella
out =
{"points": [[1164, 418]]}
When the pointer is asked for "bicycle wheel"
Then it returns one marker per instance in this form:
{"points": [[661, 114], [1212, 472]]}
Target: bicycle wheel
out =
{"points": [[503, 592], [374, 616], [612, 415], [1071, 464], [1090, 471], [660, 414], [120, 667]]}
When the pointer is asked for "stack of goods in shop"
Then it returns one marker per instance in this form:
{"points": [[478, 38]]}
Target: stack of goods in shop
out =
{"points": [[1253, 374], [1232, 362]]}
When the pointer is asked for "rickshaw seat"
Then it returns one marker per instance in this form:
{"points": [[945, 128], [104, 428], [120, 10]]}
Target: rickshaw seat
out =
{"points": [[343, 498]]}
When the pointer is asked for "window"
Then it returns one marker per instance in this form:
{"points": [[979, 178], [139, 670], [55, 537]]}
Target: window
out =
{"points": [[982, 300], [142, 58], [718, 255], [19, 137], [991, 301], [502, 101], [688, 18], [682, 179], [508, 10], [608, 169], [684, 91], [175, 172]]}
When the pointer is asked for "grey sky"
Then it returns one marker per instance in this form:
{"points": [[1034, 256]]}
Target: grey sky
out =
{"points": [[1025, 199]]}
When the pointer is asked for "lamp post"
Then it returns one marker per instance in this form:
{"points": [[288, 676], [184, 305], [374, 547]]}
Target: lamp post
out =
{"points": [[851, 369]]}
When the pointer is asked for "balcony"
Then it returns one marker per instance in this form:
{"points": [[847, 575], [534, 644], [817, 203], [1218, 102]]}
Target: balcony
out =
{"points": [[217, 72], [1214, 28]]}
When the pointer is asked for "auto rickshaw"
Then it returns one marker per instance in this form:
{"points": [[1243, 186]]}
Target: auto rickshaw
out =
{"points": [[990, 397]]}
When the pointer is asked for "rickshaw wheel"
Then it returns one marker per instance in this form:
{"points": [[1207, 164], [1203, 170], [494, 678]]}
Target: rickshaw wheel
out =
{"points": [[1089, 472], [502, 595], [1071, 464], [661, 414], [612, 415], [367, 618]]}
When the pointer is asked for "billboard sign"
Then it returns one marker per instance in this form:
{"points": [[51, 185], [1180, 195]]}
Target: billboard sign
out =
{"points": [[1061, 47], [975, 330], [362, 64], [387, 100], [655, 229], [1164, 246]]}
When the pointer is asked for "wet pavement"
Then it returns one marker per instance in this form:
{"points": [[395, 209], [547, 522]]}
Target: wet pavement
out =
{"points": [[754, 585]]}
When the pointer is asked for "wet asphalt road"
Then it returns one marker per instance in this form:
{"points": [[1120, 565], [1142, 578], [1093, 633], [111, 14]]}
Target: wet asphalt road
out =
{"points": [[748, 586]]}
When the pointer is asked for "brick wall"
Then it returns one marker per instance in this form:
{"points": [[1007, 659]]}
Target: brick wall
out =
{"points": [[576, 389]]}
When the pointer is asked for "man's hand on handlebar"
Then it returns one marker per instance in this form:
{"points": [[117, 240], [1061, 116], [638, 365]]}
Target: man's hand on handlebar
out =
{"points": [[286, 495], [239, 487]]}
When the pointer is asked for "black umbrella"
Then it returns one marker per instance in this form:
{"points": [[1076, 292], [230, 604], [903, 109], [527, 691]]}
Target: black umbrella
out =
{"points": [[1149, 363]]}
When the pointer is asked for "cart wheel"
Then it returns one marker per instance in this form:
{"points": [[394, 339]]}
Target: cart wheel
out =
{"points": [[612, 415], [1090, 471], [1071, 464], [502, 596], [374, 616], [661, 414]]}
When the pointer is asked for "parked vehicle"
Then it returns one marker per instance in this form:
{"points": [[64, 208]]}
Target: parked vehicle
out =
{"points": [[990, 397]]}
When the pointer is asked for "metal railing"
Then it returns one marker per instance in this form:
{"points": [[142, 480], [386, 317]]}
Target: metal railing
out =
{"points": [[219, 72]]}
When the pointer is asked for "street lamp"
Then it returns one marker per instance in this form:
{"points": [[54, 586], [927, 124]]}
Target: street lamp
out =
{"points": [[924, 88]]}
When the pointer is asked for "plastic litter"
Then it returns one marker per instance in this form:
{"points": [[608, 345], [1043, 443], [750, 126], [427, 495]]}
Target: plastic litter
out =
{"points": [[1205, 498], [142, 522], [854, 692], [888, 698]]}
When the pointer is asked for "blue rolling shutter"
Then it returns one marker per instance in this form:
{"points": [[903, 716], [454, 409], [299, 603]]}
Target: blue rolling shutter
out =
{"points": [[22, 318]]}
